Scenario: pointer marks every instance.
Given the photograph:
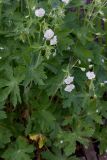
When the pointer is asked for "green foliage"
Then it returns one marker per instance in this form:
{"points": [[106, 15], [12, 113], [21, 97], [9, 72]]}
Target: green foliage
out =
{"points": [[5, 135], [20, 150], [10, 86], [2, 112], [46, 87], [56, 155]]}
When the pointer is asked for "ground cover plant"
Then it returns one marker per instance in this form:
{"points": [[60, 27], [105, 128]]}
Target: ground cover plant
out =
{"points": [[53, 78]]}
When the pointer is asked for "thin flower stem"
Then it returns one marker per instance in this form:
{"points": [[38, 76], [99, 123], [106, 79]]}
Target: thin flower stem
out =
{"points": [[28, 6], [28, 39]]}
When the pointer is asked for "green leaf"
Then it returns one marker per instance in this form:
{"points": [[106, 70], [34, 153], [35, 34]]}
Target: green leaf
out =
{"points": [[54, 83], [35, 71], [2, 112], [5, 135], [45, 124], [10, 87], [69, 142], [82, 52], [20, 149]]}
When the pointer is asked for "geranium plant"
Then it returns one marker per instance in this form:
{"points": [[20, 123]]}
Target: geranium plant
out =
{"points": [[53, 77]]}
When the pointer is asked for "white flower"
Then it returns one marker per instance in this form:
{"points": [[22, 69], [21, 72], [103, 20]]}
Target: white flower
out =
{"points": [[48, 34], [105, 82], [33, 8], [90, 66], [102, 84], [90, 75], [68, 80], [65, 1], [53, 41], [54, 54], [79, 62], [68, 48], [27, 16], [97, 110], [69, 87], [61, 141], [102, 60], [89, 59], [40, 12], [83, 69], [0, 57], [1, 48]]}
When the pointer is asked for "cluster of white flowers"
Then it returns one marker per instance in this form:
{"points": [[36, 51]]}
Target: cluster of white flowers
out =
{"points": [[90, 75], [69, 86], [40, 12], [49, 35], [66, 1]]}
